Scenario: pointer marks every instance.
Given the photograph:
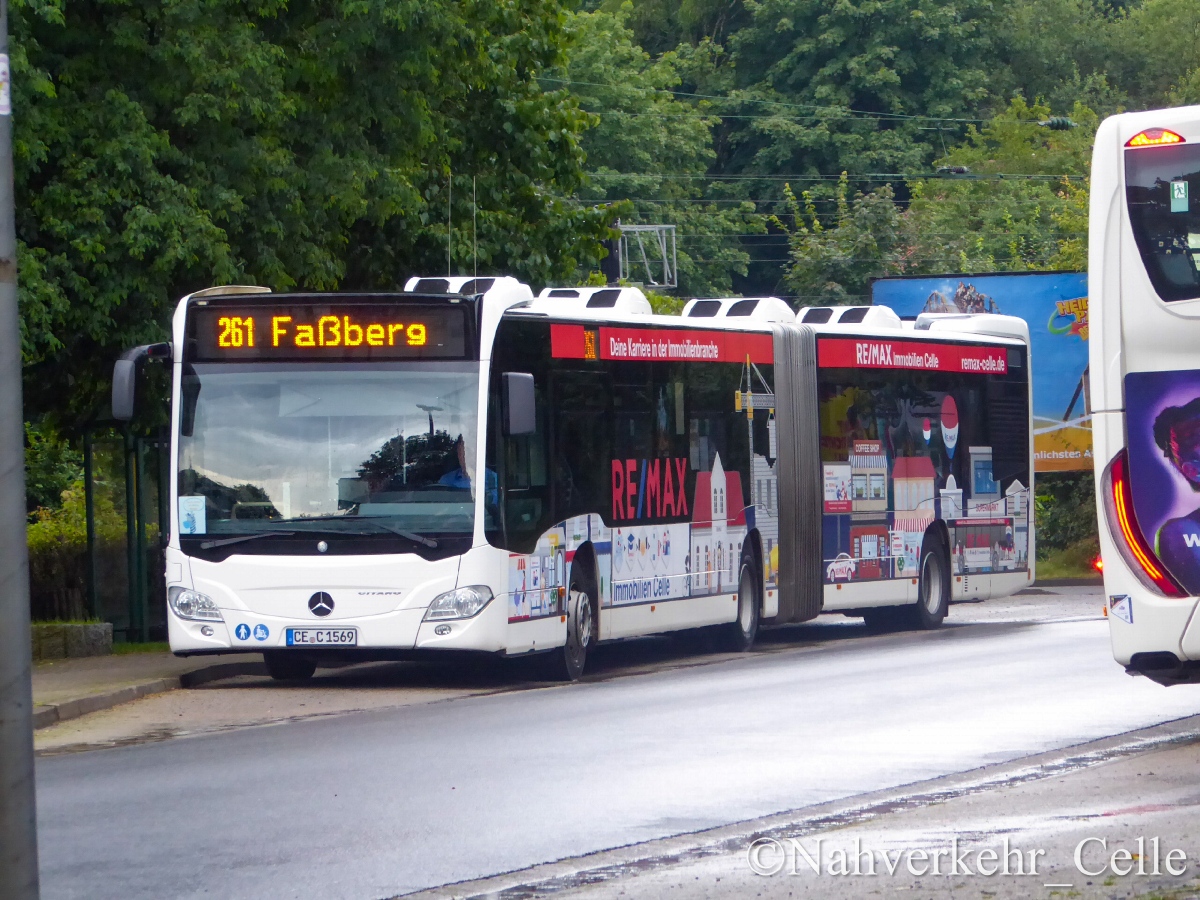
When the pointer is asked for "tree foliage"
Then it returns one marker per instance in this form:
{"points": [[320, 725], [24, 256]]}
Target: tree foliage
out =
{"points": [[652, 150], [857, 86], [1021, 206], [1013, 198], [163, 147], [834, 263]]}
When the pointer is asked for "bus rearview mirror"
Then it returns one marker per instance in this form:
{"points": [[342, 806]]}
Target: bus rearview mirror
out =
{"points": [[124, 387], [124, 383], [519, 403]]}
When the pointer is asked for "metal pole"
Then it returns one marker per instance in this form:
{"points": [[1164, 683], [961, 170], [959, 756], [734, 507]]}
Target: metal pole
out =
{"points": [[143, 610], [131, 564], [89, 513], [18, 813]]}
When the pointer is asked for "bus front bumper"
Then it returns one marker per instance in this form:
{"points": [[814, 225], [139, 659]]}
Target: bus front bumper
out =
{"points": [[401, 630]]}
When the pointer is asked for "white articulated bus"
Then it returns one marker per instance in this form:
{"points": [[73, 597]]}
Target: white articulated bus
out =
{"points": [[464, 466], [1144, 286]]}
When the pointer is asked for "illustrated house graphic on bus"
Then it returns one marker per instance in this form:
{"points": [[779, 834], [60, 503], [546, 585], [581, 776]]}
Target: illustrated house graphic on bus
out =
{"points": [[718, 529], [868, 476], [914, 480]]}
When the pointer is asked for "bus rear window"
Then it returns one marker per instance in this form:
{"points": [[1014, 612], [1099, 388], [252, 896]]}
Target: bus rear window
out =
{"points": [[1162, 189]]}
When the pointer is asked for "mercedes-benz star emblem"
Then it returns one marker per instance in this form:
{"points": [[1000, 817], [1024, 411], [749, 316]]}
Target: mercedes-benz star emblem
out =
{"points": [[320, 604]]}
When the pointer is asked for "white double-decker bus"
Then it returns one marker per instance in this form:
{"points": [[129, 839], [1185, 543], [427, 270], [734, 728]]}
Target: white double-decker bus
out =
{"points": [[1144, 286], [464, 466]]}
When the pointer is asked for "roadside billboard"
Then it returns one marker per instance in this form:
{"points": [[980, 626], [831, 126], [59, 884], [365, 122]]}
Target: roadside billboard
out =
{"points": [[1055, 305]]}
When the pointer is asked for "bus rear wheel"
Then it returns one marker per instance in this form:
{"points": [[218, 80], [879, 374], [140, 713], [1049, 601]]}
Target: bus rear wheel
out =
{"points": [[739, 635], [567, 662], [283, 665], [933, 587]]}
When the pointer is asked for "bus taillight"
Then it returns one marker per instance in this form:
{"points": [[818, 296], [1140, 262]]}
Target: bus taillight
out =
{"points": [[1154, 137], [1131, 543]]}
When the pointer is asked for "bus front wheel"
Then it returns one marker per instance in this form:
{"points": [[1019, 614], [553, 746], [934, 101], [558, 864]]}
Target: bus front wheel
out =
{"points": [[284, 665], [933, 587], [567, 662]]}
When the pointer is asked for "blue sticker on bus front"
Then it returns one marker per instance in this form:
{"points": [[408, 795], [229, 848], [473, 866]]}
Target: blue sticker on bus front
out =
{"points": [[261, 633], [242, 632]]}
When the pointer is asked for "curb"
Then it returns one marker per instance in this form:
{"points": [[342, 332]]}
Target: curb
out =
{"points": [[50, 714]]}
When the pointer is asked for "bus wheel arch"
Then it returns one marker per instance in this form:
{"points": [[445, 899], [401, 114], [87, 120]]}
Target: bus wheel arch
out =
{"points": [[933, 579], [739, 635]]}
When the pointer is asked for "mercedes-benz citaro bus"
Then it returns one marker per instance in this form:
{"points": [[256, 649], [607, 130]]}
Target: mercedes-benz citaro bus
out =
{"points": [[1144, 286], [464, 466]]}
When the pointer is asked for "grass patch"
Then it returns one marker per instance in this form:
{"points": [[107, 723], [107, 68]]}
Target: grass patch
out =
{"points": [[149, 647], [1074, 561]]}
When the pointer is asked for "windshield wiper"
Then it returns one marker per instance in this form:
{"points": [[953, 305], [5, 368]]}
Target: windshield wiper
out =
{"points": [[369, 520], [225, 542], [418, 538]]}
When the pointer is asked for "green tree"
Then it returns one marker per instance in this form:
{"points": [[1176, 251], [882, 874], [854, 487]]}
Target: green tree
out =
{"points": [[51, 467], [856, 86], [1154, 51], [1014, 198], [1058, 52], [654, 151], [163, 147], [1021, 205], [833, 263]]}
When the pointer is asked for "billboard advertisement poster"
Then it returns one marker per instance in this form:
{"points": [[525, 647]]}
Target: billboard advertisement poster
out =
{"points": [[1055, 306], [1162, 415]]}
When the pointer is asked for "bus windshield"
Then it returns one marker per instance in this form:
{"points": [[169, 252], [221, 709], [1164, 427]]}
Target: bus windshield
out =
{"points": [[1164, 211], [341, 448]]}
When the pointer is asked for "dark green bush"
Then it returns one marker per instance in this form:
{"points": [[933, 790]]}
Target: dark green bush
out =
{"points": [[1065, 512]]}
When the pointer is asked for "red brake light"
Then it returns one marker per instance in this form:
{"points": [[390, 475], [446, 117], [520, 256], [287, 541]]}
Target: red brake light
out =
{"points": [[1154, 137], [1132, 544], [1098, 563]]}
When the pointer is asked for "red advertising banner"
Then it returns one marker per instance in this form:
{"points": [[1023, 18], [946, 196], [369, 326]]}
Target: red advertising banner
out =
{"points": [[883, 353], [663, 344]]}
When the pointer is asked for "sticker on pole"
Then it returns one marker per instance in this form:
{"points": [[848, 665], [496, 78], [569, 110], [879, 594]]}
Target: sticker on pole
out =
{"points": [[5, 91], [1121, 606]]}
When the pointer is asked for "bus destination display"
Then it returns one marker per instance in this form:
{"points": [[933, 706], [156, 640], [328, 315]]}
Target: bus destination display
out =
{"points": [[357, 331]]}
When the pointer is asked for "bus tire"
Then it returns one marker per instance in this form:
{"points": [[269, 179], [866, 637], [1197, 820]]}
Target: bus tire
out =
{"points": [[566, 663], [285, 665], [933, 586], [739, 634]]}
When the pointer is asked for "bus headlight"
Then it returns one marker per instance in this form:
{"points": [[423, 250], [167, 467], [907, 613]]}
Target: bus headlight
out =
{"points": [[462, 603], [188, 604]]}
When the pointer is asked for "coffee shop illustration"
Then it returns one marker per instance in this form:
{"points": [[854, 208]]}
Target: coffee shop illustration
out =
{"points": [[867, 538]]}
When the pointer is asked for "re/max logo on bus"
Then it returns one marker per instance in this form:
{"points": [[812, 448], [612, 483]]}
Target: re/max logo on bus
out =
{"points": [[649, 488], [856, 353]]}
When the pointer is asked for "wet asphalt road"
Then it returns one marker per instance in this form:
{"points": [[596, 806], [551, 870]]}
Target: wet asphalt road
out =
{"points": [[379, 803]]}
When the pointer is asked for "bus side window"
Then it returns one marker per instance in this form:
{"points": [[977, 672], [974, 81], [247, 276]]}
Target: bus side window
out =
{"points": [[525, 454], [520, 461], [581, 443]]}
